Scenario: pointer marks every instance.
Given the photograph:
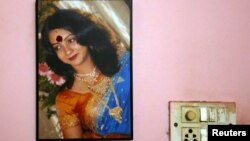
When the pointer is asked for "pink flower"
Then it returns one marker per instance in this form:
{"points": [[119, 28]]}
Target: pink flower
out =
{"points": [[43, 69], [55, 79]]}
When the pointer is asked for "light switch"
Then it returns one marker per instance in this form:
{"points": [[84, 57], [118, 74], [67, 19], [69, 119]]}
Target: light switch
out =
{"points": [[203, 134], [212, 114], [203, 112], [221, 115]]}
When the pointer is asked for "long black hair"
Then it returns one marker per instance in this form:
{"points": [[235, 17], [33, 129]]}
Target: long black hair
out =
{"points": [[89, 34]]}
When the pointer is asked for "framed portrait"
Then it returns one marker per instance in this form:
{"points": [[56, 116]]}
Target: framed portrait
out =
{"points": [[84, 69]]}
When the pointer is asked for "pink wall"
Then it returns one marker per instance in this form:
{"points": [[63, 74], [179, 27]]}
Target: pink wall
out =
{"points": [[183, 50]]}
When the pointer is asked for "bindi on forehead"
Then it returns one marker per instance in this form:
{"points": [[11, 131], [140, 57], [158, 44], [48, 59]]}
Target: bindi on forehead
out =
{"points": [[59, 38]]}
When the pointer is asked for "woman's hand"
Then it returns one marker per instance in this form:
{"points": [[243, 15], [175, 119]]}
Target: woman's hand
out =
{"points": [[73, 132]]}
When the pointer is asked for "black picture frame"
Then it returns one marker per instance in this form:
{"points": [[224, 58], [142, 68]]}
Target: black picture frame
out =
{"points": [[115, 16]]}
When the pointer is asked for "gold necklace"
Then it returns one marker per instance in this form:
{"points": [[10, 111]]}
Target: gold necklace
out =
{"points": [[89, 78], [92, 73], [100, 89], [116, 111]]}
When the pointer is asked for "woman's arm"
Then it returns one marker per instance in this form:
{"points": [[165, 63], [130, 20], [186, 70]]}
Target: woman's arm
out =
{"points": [[68, 118]]}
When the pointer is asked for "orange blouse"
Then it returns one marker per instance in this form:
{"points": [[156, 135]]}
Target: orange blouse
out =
{"points": [[74, 109], [68, 110]]}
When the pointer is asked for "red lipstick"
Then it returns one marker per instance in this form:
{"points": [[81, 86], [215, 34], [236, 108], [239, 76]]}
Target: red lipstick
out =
{"points": [[72, 57]]}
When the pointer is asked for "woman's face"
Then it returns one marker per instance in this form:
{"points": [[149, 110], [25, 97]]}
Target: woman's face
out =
{"points": [[67, 48]]}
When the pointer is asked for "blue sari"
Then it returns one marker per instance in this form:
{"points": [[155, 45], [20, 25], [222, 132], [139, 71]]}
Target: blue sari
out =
{"points": [[106, 124]]}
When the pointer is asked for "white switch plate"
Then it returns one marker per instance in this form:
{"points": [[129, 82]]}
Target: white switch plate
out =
{"points": [[190, 119]]}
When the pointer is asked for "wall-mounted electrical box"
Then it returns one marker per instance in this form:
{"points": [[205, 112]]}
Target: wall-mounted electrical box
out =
{"points": [[189, 120]]}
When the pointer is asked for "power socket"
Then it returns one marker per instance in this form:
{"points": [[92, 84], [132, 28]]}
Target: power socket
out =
{"points": [[190, 134]]}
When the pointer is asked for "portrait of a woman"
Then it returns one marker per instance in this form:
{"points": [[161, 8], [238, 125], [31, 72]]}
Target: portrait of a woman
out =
{"points": [[95, 100]]}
